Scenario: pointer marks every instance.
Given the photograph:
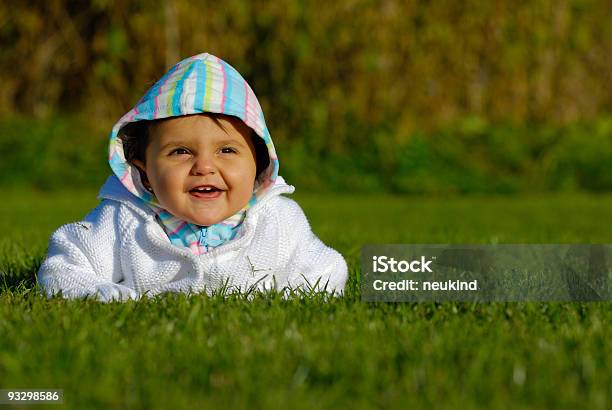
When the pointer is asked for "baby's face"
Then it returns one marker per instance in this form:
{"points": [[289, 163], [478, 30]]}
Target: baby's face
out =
{"points": [[201, 172]]}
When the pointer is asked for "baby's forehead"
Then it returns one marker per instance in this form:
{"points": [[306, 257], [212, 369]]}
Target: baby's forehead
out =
{"points": [[202, 126]]}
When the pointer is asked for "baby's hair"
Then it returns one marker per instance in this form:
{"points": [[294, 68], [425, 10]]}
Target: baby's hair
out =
{"points": [[135, 137]]}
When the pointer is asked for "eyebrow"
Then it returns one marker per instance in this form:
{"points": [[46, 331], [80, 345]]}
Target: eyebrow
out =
{"points": [[173, 144], [232, 141], [226, 141]]}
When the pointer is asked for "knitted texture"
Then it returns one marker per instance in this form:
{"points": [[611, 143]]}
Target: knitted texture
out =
{"points": [[119, 251]]}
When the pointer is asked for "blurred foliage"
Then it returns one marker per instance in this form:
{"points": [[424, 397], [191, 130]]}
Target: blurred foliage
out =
{"points": [[51, 154], [423, 96], [470, 156]]}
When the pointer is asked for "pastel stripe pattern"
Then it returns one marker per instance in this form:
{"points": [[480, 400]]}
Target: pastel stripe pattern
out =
{"points": [[198, 84]]}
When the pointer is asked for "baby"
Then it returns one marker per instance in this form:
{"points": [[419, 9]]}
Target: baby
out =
{"points": [[195, 203]]}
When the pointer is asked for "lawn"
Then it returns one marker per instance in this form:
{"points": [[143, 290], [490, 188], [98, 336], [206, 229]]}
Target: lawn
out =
{"points": [[182, 352]]}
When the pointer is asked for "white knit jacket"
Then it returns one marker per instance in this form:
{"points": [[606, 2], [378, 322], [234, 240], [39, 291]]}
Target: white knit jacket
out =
{"points": [[119, 251]]}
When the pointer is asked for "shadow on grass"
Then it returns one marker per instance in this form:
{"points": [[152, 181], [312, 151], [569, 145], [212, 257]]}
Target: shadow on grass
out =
{"points": [[12, 281], [18, 268]]}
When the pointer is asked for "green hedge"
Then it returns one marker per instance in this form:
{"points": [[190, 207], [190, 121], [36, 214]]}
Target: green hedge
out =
{"points": [[471, 156], [51, 154]]}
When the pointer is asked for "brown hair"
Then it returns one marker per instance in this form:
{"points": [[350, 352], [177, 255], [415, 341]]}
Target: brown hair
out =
{"points": [[135, 138]]}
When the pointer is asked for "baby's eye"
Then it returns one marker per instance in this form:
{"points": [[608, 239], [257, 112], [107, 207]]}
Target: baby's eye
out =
{"points": [[227, 150], [179, 151]]}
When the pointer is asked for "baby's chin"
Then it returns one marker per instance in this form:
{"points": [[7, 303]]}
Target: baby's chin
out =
{"points": [[207, 220], [204, 216]]}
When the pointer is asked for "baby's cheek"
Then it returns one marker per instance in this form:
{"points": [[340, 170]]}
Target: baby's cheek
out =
{"points": [[245, 185], [244, 174], [242, 189], [247, 197], [167, 188]]}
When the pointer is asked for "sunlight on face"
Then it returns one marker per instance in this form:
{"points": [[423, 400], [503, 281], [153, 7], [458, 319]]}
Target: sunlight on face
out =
{"points": [[200, 171]]}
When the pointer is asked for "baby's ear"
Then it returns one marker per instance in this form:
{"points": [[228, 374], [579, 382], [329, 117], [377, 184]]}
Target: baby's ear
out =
{"points": [[262, 156], [140, 166]]}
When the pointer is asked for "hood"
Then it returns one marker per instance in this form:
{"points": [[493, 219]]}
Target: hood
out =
{"points": [[199, 84]]}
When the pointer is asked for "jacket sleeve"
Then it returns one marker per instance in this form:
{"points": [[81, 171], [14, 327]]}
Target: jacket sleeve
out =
{"points": [[312, 264], [83, 258]]}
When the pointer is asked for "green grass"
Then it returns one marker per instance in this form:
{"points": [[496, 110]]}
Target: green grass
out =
{"points": [[179, 352]]}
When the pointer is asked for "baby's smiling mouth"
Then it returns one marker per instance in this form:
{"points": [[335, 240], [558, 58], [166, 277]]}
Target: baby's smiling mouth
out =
{"points": [[206, 192]]}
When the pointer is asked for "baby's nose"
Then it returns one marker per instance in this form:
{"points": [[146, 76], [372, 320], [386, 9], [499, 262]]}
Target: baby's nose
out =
{"points": [[203, 165]]}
